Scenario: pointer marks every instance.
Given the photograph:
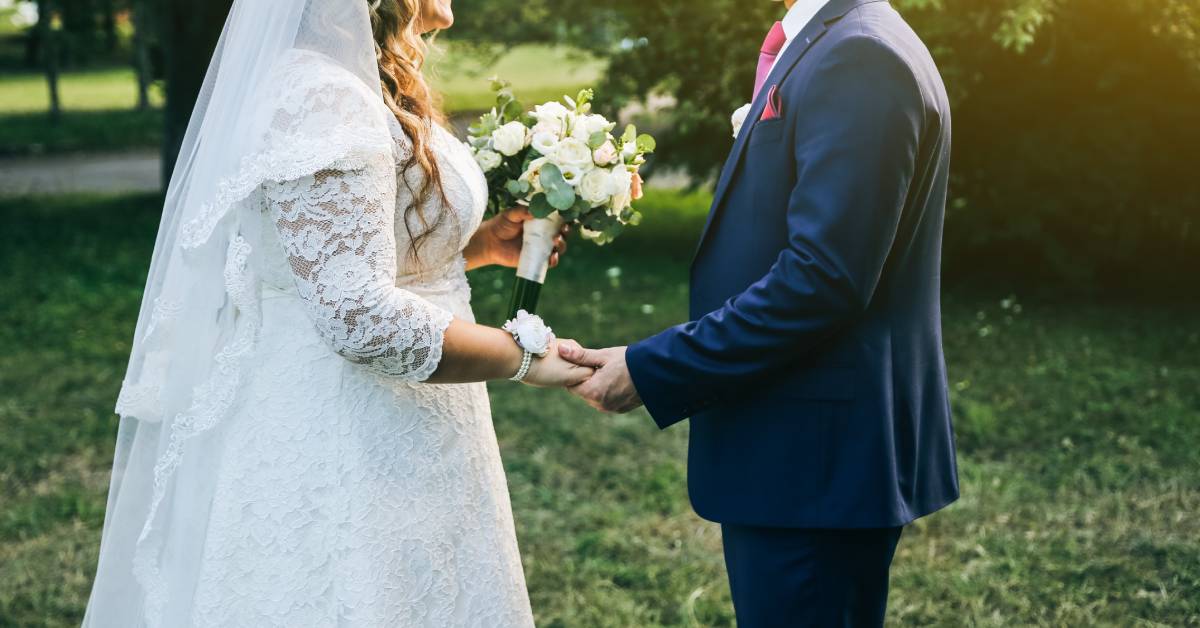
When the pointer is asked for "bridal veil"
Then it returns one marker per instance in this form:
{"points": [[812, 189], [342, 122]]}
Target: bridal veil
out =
{"points": [[260, 117]]}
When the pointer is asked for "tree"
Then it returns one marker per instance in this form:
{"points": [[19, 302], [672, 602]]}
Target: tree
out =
{"points": [[1073, 119], [190, 31], [141, 51], [48, 46]]}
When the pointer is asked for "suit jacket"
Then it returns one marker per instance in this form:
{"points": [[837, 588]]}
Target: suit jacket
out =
{"points": [[812, 369]]}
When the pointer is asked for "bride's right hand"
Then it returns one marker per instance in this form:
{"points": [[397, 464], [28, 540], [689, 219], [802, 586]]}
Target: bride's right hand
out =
{"points": [[553, 371]]}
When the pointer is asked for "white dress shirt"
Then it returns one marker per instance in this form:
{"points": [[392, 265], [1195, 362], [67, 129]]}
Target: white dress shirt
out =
{"points": [[796, 19]]}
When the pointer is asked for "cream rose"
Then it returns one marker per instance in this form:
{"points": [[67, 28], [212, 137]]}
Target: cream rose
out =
{"points": [[550, 113], [586, 126], [594, 187], [573, 152], [487, 159], [533, 174], [510, 138]]}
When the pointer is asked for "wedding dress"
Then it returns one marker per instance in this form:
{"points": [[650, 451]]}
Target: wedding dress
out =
{"points": [[279, 460]]}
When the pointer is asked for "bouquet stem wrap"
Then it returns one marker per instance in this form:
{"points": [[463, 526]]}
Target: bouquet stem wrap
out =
{"points": [[536, 247]]}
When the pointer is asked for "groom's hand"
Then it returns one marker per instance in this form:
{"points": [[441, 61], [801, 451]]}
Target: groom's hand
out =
{"points": [[611, 388]]}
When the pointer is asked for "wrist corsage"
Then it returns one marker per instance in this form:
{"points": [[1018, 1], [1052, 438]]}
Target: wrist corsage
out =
{"points": [[533, 336]]}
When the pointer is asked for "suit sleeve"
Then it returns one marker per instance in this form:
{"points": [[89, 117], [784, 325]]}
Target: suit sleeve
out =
{"points": [[858, 123]]}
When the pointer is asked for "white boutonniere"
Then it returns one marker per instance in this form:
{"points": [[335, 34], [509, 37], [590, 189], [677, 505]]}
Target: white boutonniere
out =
{"points": [[739, 118]]}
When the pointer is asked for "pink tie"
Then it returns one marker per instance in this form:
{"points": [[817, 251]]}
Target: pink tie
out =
{"points": [[766, 57]]}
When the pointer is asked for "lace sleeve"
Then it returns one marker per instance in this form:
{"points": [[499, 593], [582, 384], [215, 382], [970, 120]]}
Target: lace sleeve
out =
{"points": [[337, 232]]}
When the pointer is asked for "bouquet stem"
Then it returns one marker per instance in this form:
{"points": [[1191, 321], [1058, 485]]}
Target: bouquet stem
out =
{"points": [[536, 246]]}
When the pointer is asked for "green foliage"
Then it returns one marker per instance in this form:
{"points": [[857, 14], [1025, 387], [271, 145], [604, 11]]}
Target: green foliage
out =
{"points": [[1074, 120], [1076, 423]]}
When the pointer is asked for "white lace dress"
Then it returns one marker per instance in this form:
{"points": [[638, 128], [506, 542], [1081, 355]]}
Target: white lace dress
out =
{"points": [[348, 493]]}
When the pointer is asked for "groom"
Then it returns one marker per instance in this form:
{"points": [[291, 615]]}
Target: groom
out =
{"points": [[812, 370]]}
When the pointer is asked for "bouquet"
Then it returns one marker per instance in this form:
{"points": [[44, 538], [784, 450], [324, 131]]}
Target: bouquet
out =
{"points": [[562, 162]]}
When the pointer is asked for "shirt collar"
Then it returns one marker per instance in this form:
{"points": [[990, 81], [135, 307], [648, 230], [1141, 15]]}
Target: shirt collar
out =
{"points": [[799, 16]]}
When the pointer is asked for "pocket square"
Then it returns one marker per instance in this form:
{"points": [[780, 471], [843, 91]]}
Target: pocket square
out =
{"points": [[774, 108]]}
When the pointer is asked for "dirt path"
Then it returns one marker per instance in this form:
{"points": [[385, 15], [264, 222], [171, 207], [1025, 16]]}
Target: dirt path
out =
{"points": [[108, 173], [138, 171]]}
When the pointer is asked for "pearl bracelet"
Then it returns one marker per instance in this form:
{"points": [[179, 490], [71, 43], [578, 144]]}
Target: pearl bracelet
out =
{"points": [[526, 362]]}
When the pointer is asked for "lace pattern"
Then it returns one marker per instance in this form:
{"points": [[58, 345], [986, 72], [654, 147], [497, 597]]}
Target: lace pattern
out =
{"points": [[339, 239]]}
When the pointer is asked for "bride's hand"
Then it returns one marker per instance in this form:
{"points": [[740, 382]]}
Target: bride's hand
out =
{"points": [[498, 240], [553, 371]]}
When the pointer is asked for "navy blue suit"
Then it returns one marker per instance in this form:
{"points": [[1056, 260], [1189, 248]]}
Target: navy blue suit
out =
{"points": [[812, 369]]}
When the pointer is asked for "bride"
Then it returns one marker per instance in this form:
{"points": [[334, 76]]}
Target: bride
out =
{"points": [[305, 437]]}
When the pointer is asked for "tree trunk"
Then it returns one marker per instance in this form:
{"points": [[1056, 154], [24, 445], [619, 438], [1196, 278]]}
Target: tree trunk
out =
{"points": [[189, 34], [48, 37], [109, 8], [141, 53]]}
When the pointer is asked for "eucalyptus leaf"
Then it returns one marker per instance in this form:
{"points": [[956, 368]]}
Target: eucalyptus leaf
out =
{"points": [[559, 193], [646, 144], [597, 140], [540, 207]]}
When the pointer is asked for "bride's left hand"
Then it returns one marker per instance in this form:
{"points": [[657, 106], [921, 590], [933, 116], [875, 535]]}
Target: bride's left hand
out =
{"points": [[498, 240]]}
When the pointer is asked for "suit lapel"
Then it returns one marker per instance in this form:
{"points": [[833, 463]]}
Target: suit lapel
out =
{"points": [[800, 46]]}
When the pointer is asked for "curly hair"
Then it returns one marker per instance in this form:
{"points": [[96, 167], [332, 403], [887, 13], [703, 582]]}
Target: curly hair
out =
{"points": [[401, 52]]}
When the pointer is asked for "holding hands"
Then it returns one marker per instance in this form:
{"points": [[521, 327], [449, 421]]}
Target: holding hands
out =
{"points": [[610, 388]]}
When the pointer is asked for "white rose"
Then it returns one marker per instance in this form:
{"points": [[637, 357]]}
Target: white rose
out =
{"points": [[620, 181], [550, 113], [531, 332], [545, 142], [739, 118], [594, 187], [606, 154], [554, 128], [510, 138], [487, 159], [573, 152], [586, 126], [620, 185]]}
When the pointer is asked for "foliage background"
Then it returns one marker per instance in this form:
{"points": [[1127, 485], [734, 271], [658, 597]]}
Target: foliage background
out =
{"points": [[1075, 121]]}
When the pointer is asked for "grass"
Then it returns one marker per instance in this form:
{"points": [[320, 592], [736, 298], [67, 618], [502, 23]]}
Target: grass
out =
{"points": [[99, 104], [1077, 427]]}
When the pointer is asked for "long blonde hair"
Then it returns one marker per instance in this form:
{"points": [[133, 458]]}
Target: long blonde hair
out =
{"points": [[401, 52]]}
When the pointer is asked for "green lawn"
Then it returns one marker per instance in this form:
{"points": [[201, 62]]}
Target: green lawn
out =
{"points": [[99, 104], [1078, 426]]}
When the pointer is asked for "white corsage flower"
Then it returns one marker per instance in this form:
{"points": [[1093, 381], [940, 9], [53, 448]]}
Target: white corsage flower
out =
{"points": [[739, 118], [487, 159], [510, 138], [531, 333]]}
